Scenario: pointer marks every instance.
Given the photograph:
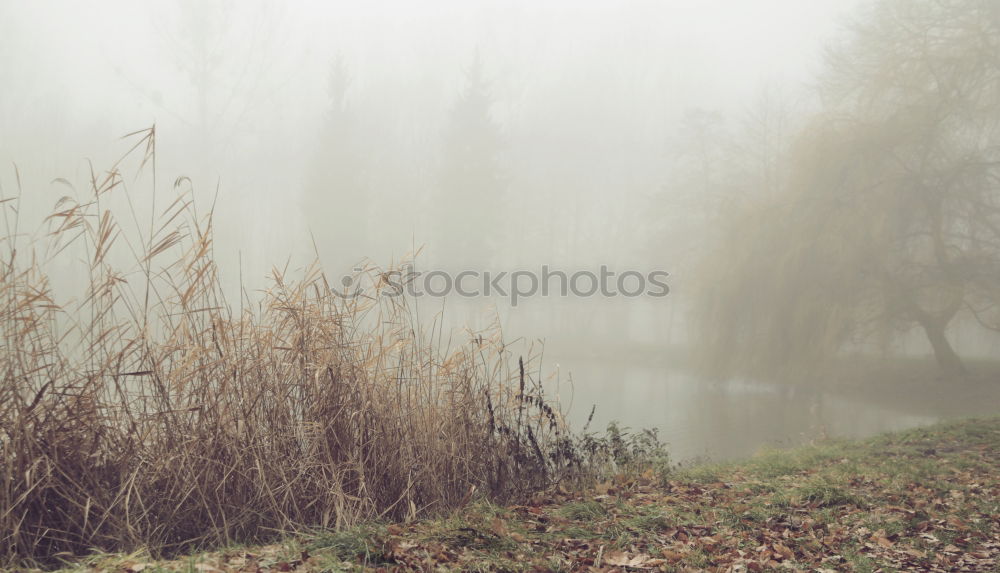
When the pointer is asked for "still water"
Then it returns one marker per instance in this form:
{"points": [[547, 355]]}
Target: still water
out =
{"points": [[725, 420]]}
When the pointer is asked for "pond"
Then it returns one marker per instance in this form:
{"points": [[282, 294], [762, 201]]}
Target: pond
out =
{"points": [[701, 419]]}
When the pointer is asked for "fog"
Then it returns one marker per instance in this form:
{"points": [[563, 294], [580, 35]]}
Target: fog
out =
{"points": [[504, 136], [587, 96]]}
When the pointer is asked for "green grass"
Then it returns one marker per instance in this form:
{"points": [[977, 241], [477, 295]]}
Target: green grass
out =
{"points": [[583, 510]]}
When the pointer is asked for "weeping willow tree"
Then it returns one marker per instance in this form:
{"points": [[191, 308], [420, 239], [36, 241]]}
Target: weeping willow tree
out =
{"points": [[887, 217]]}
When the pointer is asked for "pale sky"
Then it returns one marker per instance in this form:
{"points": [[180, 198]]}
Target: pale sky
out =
{"points": [[575, 80]]}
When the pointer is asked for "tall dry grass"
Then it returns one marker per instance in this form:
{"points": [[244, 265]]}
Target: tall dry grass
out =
{"points": [[150, 411]]}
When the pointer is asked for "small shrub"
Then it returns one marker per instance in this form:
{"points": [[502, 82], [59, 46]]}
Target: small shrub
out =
{"points": [[620, 450]]}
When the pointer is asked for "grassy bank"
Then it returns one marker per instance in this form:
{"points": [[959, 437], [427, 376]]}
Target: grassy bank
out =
{"points": [[925, 499]]}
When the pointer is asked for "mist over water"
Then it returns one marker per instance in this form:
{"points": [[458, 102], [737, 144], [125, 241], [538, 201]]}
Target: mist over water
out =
{"points": [[639, 136]]}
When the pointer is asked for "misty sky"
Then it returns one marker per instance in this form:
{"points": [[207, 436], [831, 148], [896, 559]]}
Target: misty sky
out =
{"points": [[587, 94]]}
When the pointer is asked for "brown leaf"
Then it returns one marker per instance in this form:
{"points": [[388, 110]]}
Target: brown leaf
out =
{"points": [[957, 523], [672, 556], [620, 559], [930, 537], [783, 551], [498, 527], [402, 546], [880, 538]]}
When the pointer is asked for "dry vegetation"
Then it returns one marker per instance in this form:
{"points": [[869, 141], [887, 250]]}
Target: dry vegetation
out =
{"points": [[921, 500], [151, 412]]}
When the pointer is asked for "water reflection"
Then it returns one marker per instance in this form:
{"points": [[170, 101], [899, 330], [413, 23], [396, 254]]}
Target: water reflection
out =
{"points": [[724, 420]]}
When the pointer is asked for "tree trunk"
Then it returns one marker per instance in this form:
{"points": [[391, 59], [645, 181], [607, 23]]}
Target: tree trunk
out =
{"points": [[946, 357]]}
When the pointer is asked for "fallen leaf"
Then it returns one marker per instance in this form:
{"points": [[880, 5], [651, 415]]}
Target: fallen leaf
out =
{"points": [[498, 527], [672, 556], [783, 551], [880, 538], [621, 559]]}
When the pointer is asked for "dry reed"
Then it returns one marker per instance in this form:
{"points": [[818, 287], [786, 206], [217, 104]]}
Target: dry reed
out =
{"points": [[150, 412]]}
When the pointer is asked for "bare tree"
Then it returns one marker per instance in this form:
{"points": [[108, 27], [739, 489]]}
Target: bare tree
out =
{"points": [[472, 182], [336, 201]]}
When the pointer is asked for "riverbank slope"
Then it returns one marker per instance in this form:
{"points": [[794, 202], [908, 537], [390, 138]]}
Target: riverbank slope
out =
{"points": [[925, 499]]}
